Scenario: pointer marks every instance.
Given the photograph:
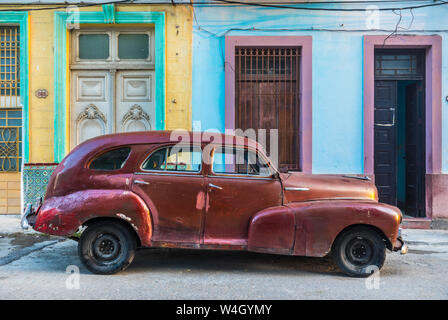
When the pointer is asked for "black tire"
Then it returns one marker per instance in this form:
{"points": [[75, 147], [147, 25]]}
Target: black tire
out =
{"points": [[359, 251], [107, 247]]}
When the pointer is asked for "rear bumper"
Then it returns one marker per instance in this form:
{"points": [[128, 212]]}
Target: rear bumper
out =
{"points": [[29, 215]]}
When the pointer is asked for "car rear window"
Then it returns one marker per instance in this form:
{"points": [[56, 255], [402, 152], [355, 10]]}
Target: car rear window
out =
{"points": [[111, 160]]}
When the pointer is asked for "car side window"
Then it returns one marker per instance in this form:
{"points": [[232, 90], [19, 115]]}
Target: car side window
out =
{"points": [[175, 158], [111, 160], [239, 161]]}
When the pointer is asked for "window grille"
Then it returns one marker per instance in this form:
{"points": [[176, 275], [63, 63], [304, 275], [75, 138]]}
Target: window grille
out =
{"points": [[10, 106]]}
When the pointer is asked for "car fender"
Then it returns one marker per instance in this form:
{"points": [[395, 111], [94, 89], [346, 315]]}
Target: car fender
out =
{"points": [[272, 230], [318, 223], [63, 215]]}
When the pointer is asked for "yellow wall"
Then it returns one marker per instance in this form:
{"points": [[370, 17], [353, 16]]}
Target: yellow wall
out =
{"points": [[178, 73]]}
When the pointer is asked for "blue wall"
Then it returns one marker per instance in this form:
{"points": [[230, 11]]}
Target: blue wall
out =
{"points": [[337, 70]]}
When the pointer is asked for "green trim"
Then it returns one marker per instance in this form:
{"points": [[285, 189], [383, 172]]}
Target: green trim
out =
{"points": [[109, 13], [21, 18], [60, 54]]}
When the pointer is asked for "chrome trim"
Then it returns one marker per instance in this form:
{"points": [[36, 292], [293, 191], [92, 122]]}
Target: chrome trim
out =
{"points": [[24, 222], [268, 178], [140, 182], [195, 175], [297, 189], [211, 185], [366, 178]]}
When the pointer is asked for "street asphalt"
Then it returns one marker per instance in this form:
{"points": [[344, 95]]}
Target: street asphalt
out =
{"points": [[36, 266]]}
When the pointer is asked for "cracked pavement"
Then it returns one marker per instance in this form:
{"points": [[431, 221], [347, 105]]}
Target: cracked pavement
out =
{"points": [[36, 266]]}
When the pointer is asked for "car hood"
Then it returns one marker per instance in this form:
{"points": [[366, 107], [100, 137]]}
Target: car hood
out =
{"points": [[312, 187]]}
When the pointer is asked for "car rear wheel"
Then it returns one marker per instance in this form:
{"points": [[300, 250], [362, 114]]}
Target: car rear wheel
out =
{"points": [[107, 247], [359, 251]]}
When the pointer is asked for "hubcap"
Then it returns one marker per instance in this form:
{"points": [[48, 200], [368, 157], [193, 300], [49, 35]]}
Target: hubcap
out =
{"points": [[359, 251], [106, 247]]}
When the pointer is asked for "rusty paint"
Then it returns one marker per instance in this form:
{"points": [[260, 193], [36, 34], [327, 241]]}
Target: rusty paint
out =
{"points": [[292, 213]]}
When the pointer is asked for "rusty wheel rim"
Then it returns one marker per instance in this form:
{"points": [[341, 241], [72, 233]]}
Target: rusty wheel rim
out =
{"points": [[359, 251], [106, 247]]}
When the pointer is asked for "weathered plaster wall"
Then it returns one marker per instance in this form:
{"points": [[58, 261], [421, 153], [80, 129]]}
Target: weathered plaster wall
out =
{"points": [[41, 73], [337, 70]]}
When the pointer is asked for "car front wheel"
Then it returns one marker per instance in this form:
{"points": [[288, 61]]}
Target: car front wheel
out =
{"points": [[359, 252], [106, 247]]}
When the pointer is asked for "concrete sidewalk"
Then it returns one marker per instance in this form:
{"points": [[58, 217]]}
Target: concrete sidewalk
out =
{"points": [[16, 243]]}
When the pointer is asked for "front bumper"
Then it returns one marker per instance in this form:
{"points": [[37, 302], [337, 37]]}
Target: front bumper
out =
{"points": [[400, 245]]}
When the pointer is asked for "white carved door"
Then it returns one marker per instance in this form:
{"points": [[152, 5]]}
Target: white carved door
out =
{"points": [[112, 82], [91, 105], [135, 101]]}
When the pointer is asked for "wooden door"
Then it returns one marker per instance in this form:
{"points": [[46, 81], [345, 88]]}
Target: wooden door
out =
{"points": [[268, 97], [415, 151], [385, 163]]}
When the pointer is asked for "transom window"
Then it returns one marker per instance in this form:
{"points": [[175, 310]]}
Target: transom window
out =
{"points": [[93, 46], [399, 63], [239, 161], [175, 158]]}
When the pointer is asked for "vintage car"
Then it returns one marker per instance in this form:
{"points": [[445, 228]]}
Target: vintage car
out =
{"points": [[160, 189]]}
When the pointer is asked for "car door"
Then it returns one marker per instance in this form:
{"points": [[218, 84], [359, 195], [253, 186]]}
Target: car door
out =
{"points": [[240, 183], [171, 182]]}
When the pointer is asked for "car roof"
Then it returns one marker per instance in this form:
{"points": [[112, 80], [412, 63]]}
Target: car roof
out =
{"points": [[162, 137]]}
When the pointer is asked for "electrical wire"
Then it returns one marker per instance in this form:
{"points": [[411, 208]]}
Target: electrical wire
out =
{"points": [[265, 5], [279, 5], [64, 6]]}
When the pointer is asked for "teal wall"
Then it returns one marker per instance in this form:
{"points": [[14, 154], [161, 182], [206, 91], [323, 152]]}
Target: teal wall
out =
{"points": [[337, 69]]}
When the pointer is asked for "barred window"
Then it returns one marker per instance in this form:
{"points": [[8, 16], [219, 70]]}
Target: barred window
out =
{"points": [[10, 106]]}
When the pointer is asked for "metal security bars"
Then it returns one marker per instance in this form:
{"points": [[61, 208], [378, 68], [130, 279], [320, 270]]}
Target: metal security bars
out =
{"points": [[9, 67], [267, 97], [10, 106]]}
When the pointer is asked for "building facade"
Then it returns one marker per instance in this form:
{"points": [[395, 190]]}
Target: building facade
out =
{"points": [[69, 73], [353, 88]]}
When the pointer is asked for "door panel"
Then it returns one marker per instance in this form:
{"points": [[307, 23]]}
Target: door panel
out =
{"points": [[415, 151], [177, 203], [91, 105], [385, 141], [230, 208], [135, 101]]}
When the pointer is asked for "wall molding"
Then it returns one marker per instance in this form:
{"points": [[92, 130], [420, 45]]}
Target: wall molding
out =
{"points": [[305, 42], [62, 72], [433, 94], [22, 19]]}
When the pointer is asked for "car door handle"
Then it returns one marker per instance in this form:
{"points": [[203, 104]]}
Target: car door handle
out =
{"points": [[211, 185], [140, 182]]}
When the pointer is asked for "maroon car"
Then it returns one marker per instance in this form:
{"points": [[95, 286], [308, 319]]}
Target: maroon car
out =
{"points": [[146, 189]]}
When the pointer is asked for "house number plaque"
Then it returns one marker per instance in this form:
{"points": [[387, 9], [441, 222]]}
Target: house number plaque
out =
{"points": [[41, 93]]}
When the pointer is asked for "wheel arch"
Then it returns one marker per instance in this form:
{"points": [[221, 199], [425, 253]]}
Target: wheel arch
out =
{"points": [[368, 226]]}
